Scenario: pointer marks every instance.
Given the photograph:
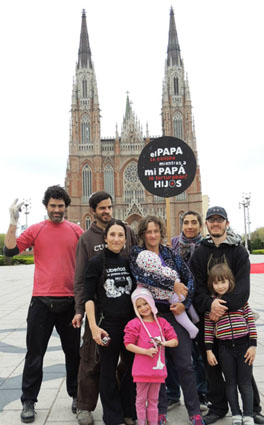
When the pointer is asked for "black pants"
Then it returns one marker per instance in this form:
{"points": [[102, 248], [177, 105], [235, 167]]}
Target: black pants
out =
{"points": [[40, 324], [238, 374], [216, 384], [118, 398], [182, 360]]}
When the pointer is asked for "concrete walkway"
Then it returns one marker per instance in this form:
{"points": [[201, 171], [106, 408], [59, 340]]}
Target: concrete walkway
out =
{"points": [[54, 406]]}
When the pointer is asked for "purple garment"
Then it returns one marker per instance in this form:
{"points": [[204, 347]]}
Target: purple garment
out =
{"points": [[185, 247]]}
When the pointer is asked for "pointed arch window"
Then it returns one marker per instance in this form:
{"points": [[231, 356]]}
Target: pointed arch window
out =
{"points": [[178, 126], [176, 85], [86, 183], [87, 222], [109, 182], [84, 88], [85, 130]]}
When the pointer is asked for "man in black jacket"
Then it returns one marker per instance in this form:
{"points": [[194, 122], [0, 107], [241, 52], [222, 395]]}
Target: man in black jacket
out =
{"points": [[220, 246]]}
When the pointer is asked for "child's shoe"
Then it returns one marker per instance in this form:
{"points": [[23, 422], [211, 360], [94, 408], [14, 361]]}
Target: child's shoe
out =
{"points": [[237, 420], [248, 420], [162, 419], [196, 420]]}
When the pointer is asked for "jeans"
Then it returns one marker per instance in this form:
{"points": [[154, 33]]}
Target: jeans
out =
{"points": [[238, 374], [147, 401], [182, 360], [40, 324], [199, 369], [172, 380]]}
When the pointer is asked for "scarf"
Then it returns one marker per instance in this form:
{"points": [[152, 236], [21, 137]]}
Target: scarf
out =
{"points": [[187, 246]]}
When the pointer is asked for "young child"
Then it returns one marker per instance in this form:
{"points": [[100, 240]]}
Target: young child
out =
{"points": [[237, 340], [146, 336], [151, 263]]}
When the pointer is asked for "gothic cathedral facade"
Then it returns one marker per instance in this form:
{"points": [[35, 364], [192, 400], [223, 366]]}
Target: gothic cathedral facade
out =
{"points": [[111, 164]]}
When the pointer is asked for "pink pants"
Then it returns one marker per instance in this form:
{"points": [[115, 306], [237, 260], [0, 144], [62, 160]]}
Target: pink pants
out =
{"points": [[147, 401]]}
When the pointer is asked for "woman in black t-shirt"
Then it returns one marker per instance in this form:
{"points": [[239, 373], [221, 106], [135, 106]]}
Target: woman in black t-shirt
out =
{"points": [[108, 286]]}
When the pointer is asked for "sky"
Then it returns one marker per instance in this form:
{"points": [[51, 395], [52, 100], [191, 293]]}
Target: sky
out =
{"points": [[221, 44]]}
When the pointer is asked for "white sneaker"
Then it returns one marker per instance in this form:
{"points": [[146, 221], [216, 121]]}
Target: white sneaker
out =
{"points": [[84, 417], [237, 420], [248, 420]]}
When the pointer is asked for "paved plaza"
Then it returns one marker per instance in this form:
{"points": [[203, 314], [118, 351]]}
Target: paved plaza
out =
{"points": [[54, 405]]}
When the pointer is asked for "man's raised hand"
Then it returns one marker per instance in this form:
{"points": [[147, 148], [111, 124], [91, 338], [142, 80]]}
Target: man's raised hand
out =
{"points": [[14, 210]]}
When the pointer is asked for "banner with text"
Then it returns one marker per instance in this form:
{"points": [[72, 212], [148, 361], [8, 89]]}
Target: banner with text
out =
{"points": [[166, 166]]}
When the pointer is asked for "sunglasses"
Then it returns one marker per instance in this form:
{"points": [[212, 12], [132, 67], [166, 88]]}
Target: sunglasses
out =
{"points": [[217, 219]]}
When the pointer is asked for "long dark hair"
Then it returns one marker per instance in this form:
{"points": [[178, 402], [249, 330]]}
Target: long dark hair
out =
{"points": [[111, 223]]}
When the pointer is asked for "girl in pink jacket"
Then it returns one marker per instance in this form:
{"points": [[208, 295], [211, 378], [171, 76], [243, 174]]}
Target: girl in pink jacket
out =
{"points": [[146, 336]]}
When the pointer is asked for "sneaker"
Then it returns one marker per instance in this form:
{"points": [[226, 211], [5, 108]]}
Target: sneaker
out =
{"points": [[247, 420], [196, 420], [162, 419], [28, 412], [74, 405], [173, 403], [258, 418], [211, 418], [203, 403], [237, 420], [129, 421], [84, 417]]}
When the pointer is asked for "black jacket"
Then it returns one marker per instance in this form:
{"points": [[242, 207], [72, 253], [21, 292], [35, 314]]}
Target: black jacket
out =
{"points": [[205, 257]]}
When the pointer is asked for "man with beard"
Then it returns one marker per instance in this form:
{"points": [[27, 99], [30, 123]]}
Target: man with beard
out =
{"points": [[220, 246], [90, 244], [52, 304]]}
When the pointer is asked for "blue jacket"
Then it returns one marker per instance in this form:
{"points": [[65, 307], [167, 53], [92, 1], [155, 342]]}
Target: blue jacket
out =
{"points": [[174, 261]]}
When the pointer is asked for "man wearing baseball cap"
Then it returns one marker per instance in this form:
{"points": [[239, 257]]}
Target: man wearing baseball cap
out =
{"points": [[221, 245]]}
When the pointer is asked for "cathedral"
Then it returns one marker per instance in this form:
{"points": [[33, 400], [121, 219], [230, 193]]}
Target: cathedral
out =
{"points": [[95, 163]]}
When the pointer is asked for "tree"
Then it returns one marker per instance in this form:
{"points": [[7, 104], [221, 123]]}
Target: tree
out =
{"points": [[257, 239], [2, 242]]}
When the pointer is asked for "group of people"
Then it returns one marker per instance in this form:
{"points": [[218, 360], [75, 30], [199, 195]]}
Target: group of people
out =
{"points": [[157, 317]]}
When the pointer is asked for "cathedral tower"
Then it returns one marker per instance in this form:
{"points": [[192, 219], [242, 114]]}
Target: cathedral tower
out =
{"points": [[177, 121], [111, 164], [83, 175]]}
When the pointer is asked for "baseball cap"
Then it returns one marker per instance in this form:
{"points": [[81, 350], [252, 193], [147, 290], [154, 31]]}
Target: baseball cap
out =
{"points": [[216, 211]]}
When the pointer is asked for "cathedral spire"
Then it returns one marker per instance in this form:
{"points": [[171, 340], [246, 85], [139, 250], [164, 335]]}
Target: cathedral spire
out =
{"points": [[173, 51], [128, 109], [84, 55]]}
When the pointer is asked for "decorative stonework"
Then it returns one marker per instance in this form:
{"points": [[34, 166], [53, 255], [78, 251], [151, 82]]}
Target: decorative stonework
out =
{"points": [[112, 162]]}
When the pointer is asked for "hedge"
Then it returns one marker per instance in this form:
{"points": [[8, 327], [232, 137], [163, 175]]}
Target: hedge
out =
{"points": [[17, 259], [258, 251]]}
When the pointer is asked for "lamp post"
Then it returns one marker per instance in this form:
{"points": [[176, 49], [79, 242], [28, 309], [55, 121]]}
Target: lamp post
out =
{"points": [[245, 204], [27, 207]]}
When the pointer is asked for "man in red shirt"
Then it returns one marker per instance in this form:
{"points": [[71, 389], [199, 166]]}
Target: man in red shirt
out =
{"points": [[52, 303]]}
